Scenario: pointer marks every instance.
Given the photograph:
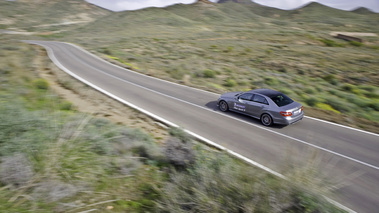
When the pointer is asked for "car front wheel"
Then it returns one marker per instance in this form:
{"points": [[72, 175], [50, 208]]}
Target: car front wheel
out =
{"points": [[223, 106], [266, 120]]}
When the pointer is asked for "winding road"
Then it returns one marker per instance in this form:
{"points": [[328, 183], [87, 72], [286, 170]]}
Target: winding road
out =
{"points": [[347, 158]]}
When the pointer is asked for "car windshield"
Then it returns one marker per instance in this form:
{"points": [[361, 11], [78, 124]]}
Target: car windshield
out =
{"points": [[281, 99]]}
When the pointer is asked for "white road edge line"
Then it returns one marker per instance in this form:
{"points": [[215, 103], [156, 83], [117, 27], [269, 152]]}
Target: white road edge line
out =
{"points": [[52, 57], [128, 70], [340, 125]]}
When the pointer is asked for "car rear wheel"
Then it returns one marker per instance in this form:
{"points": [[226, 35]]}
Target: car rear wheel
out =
{"points": [[223, 106], [266, 120]]}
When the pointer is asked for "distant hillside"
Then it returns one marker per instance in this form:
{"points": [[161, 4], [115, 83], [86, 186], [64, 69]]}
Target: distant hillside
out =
{"points": [[43, 13], [363, 10]]}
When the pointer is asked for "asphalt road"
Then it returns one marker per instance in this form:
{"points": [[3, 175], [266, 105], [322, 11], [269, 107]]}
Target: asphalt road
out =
{"points": [[347, 158]]}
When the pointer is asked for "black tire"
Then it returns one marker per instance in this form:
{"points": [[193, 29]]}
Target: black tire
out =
{"points": [[223, 106], [266, 120]]}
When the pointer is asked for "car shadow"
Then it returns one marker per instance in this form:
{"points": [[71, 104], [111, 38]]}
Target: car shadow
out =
{"points": [[212, 105]]}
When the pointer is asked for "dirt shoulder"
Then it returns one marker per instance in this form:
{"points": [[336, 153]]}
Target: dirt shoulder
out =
{"points": [[88, 100]]}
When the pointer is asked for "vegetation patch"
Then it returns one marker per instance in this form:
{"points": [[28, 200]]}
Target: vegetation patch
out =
{"points": [[123, 62], [325, 107]]}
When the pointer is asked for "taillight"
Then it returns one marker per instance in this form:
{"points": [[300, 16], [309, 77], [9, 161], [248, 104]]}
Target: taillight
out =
{"points": [[301, 108], [286, 113]]}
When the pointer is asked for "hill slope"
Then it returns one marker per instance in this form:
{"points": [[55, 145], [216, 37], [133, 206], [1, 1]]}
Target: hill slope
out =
{"points": [[47, 14]]}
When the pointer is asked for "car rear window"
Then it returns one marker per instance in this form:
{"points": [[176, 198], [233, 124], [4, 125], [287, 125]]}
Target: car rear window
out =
{"points": [[281, 99], [260, 99]]}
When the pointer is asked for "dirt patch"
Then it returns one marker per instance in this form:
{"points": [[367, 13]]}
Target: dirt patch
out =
{"points": [[354, 34], [88, 100]]}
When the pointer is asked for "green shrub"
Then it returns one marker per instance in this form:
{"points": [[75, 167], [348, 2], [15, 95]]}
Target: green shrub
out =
{"points": [[309, 90], [15, 170], [339, 105], [369, 91], [331, 43], [5, 70], [300, 72], [105, 51], [176, 73], [286, 91], [374, 105], [368, 88], [332, 79], [312, 101], [356, 43], [41, 84], [271, 81], [371, 95], [351, 88], [209, 73], [326, 107], [180, 134], [138, 143], [66, 105], [179, 153], [228, 50], [230, 83], [19, 125]]}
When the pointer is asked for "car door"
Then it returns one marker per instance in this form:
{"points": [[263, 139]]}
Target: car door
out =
{"points": [[242, 103], [257, 105]]}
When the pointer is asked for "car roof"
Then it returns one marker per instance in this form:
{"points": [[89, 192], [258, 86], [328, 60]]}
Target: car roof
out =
{"points": [[266, 92]]}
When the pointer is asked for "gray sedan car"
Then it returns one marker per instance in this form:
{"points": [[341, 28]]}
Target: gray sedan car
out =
{"points": [[269, 106]]}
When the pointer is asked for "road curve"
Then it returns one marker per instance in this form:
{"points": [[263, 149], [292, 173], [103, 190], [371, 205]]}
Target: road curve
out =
{"points": [[348, 158]]}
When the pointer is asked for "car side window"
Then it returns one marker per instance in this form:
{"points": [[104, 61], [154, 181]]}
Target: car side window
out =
{"points": [[260, 99], [246, 96]]}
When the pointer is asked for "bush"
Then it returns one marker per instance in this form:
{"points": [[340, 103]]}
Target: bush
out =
{"points": [[230, 83], [359, 101], [309, 90], [176, 73], [209, 73], [326, 107], [332, 79], [41, 84], [228, 50], [16, 170], [312, 101], [19, 125], [339, 105], [66, 105], [356, 43], [271, 81], [374, 105], [331, 43], [180, 134], [52, 191], [179, 152], [351, 88], [139, 143]]}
